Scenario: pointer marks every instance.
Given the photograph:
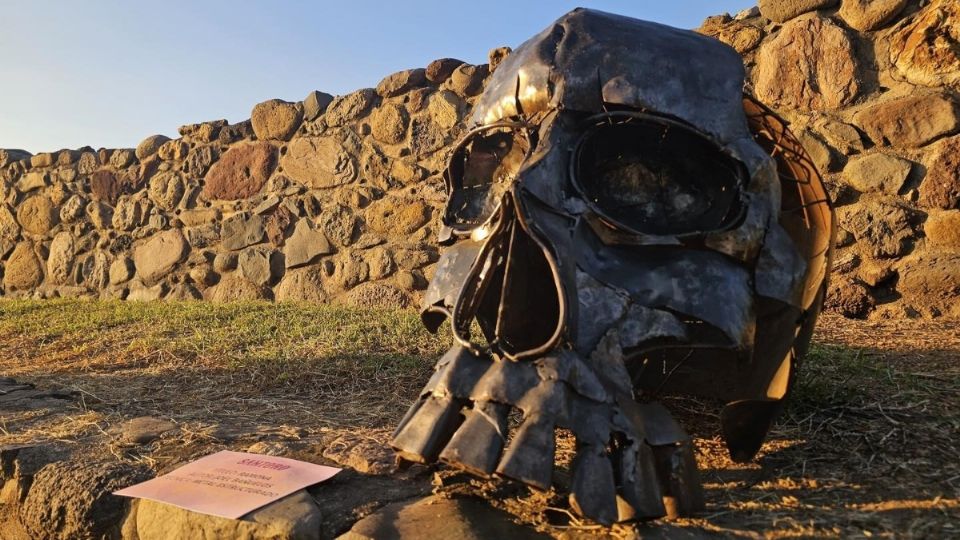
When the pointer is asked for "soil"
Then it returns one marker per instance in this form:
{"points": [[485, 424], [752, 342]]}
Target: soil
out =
{"points": [[868, 446]]}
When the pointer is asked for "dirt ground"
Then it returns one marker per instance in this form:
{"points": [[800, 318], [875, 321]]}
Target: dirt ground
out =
{"points": [[869, 446]]}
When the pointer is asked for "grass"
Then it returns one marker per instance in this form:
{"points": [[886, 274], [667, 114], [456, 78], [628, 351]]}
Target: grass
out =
{"points": [[273, 343]]}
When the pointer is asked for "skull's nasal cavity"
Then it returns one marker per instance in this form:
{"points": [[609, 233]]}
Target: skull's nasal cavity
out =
{"points": [[519, 308]]}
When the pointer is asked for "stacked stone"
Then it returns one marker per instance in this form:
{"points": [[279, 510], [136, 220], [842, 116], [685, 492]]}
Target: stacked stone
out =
{"points": [[871, 88], [327, 199]]}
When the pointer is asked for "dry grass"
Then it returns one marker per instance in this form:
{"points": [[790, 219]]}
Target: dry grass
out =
{"points": [[195, 361], [868, 446]]}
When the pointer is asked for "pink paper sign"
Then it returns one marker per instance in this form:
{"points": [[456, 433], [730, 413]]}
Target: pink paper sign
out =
{"points": [[230, 484]]}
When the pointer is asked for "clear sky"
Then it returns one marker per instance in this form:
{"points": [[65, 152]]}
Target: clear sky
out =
{"points": [[110, 72]]}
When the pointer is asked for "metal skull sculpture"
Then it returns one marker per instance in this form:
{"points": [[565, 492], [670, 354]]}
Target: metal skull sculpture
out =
{"points": [[622, 224]]}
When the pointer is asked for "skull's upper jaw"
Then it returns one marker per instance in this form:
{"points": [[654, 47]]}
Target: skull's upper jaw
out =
{"points": [[509, 282], [589, 59]]}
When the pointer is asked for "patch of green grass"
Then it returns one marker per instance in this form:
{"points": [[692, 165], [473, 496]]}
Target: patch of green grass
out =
{"points": [[832, 373], [272, 341], [837, 374]]}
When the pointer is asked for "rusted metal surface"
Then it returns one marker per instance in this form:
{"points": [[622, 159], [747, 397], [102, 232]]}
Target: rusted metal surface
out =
{"points": [[622, 223]]}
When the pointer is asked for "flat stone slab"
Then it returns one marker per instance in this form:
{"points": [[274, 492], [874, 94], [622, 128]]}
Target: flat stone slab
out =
{"points": [[294, 517], [436, 517], [16, 396]]}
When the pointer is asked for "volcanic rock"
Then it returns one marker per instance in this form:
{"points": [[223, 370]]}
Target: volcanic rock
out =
{"points": [[239, 231], [150, 145], [73, 499], [23, 269], [941, 186], [910, 121], [809, 64], [241, 172], [943, 230], [305, 245], [315, 104], [159, 255], [37, 215], [927, 51], [440, 70], [319, 162], [877, 172], [276, 119], [784, 10], [294, 517]]}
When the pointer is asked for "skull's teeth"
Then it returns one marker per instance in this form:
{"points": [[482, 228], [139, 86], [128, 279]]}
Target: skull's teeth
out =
{"points": [[640, 496], [593, 490], [477, 445], [429, 428], [679, 478], [529, 458]]}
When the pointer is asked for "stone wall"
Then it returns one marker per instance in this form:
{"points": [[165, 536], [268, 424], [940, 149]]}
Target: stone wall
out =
{"points": [[337, 198], [871, 88], [327, 199]]}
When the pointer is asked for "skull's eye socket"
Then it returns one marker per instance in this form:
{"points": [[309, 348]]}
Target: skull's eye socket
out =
{"points": [[480, 171], [650, 175]]}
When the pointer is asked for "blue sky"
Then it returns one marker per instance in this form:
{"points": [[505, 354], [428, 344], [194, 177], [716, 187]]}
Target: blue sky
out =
{"points": [[110, 72]]}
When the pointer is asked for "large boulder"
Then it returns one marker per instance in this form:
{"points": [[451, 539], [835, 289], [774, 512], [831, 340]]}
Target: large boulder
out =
{"points": [[199, 160], [401, 82], [315, 104], [120, 158], [37, 215], [397, 216], [121, 270], [784, 10], [239, 231], [388, 123], [156, 257], [305, 245], [33, 180], [105, 186], [241, 172], [9, 228], [173, 150], [440, 70], [24, 269], [166, 189], [73, 499], [344, 109], [150, 146], [739, 35], [867, 15], [294, 517], [256, 264], [464, 519], [882, 225], [43, 159], [808, 65], [941, 186], [276, 119], [234, 288], [910, 121], [931, 282], [925, 51], [467, 79], [877, 172], [302, 285], [60, 262], [943, 230], [319, 162]]}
